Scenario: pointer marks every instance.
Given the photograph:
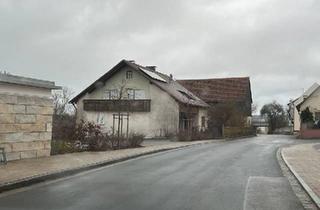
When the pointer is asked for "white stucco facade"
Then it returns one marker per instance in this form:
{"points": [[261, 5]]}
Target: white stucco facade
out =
{"points": [[311, 99], [313, 102], [296, 115]]}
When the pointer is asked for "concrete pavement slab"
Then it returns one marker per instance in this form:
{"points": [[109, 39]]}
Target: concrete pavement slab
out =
{"points": [[304, 162], [270, 193]]}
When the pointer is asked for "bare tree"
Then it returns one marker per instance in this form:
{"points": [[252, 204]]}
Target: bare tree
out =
{"points": [[122, 91], [276, 114], [61, 100], [290, 111]]}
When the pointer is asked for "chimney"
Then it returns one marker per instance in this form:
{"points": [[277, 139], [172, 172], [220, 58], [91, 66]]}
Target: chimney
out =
{"points": [[171, 78], [152, 68]]}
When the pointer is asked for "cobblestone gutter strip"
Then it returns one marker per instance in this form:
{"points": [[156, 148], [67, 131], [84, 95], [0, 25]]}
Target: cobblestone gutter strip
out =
{"points": [[308, 198], [27, 181]]}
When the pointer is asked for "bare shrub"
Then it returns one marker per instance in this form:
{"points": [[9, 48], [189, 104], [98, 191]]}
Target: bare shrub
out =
{"points": [[88, 136], [135, 140], [84, 130], [63, 127], [62, 147]]}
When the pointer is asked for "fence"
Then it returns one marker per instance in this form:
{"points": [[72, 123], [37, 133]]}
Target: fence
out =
{"points": [[233, 132]]}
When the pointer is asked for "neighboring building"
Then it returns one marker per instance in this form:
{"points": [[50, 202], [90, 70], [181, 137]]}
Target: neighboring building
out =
{"points": [[25, 116], [223, 91], [261, 123], [134, 98], [311, 99]]}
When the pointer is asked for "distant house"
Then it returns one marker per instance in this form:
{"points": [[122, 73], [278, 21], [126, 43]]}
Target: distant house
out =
{"points": [[310, 98], [135, 98], [261, 123], [222, 91]]}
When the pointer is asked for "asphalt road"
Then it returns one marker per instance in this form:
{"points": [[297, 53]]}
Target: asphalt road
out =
{"points": [[241, 174]]}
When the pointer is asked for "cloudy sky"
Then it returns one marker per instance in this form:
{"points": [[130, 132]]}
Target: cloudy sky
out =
{"points": [[275, 42]]}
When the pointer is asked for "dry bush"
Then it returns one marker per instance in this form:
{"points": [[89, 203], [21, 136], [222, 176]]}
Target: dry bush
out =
{"points": [[63, 127], [88, 136], [135, 140]]}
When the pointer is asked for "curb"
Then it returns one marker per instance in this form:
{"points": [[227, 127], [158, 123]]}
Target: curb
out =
{"points": [[305, 186], [68, 172], [240, 137]]}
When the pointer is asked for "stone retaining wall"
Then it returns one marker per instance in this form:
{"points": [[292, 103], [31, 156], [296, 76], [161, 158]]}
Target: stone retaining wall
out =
{"points": [[25, 126]]}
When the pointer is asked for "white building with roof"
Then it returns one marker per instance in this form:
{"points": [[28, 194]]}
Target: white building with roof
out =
{"points": [[310, 98], [138, 99]]}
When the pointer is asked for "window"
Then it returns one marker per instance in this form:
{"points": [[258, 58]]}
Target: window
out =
{"points": [[203, 122], [317, 116], [129, 75], [111, 94], [130, 93], [139, 94], [100, 119], [135, 94]]}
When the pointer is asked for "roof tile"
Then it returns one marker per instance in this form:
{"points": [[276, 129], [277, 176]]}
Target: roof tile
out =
{"points": [[220, 90]]}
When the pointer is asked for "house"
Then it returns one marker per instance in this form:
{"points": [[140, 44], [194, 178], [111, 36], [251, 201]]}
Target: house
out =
{"points": [[310, 98], [223, 91], [261, 123], [26, 110], [134, 98]]}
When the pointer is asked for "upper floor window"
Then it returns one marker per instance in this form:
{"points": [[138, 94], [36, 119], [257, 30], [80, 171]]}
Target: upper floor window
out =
{"points": [[129, 74], [139, 94], [131, 94], [135, 94], [111, 94]]}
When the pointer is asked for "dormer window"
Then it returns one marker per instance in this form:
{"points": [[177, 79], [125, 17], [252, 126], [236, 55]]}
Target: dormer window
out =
{"points": [[129, 75]]}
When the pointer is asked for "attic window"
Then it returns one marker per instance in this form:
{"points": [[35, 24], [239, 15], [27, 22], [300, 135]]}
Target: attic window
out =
{"points": [[129, 75], [187, 95]]}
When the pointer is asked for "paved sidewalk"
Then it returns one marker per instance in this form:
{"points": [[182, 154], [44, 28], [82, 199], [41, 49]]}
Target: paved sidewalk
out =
{"points": [[304, 162], [30, 169]]}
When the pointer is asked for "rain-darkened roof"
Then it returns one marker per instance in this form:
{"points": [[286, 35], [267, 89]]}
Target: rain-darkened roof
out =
{"points": [[221, 89]]}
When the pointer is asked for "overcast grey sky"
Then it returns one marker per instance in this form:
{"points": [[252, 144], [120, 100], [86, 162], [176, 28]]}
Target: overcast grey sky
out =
{"points": [[275, 42]]}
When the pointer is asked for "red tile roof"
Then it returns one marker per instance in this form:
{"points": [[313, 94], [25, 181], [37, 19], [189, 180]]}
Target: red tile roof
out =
{"points": [[220, 90]]}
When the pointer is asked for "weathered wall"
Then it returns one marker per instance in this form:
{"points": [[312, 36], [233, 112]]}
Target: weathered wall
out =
{"points": [[25, 125]]}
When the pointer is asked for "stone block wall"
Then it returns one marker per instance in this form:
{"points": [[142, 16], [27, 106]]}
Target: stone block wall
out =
{"points": [[25, 126]]}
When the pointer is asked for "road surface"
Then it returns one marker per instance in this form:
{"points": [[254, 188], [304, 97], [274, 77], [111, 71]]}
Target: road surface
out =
{"points": [[234, 175]]}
